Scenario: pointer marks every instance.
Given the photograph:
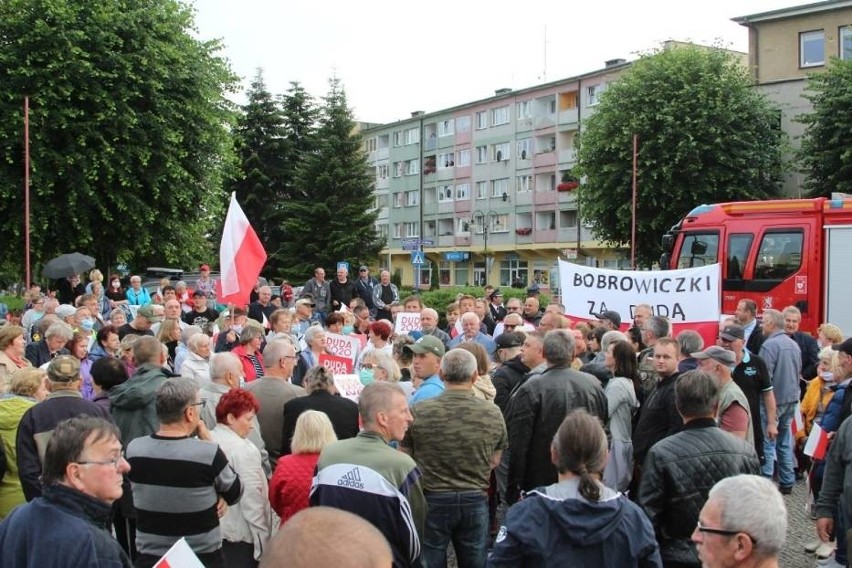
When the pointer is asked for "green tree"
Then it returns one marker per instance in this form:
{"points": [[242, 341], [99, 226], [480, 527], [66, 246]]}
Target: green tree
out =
{"points": [[825, 155], [262, 153], [300, 118], [129, 129], [335, 218], [705, 135]]}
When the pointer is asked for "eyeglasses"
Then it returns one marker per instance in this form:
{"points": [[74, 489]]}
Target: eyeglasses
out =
{"points": [[366, 365], [724, 532], [201, 403], [509, 326], [114, 462]]}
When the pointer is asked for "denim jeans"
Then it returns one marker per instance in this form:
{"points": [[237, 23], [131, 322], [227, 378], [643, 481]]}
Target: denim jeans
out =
{"points": [[460, 517], [780, 448]]}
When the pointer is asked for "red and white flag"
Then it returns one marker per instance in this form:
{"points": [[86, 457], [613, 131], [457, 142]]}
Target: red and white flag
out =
{"points": [[179, 556], [241, 258], [798, 423], [817, 443]]}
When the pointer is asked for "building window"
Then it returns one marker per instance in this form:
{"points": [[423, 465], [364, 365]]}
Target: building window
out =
{"points": [[446, 127], [500, 223], [523, 184], [500, 116], [481, 189], [594, 94], [464, 158], [382, 230], [398, 138], [463, 226], [845, 42], [412, 229], [463, 191], [398, 199], [397, 230], [462, 273], [413, 167], [500, 152], [482, 120], [512, 270], [412, 198], [524, 145], [398, 169], [524, 110], [382, 171], [568, 101], [445, 193], [370, 144], [463, 124], [446, 160], [812, 48], [499, 187], [479, 274], [481, 154]]}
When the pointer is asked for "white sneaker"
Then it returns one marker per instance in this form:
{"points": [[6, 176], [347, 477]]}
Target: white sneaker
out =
{"points": [[824, 550], [829, 562], [813, 545]]}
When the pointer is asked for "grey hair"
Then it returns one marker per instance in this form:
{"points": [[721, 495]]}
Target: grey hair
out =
{"points": [[791, 310], [197, 340], [458, 366], [470, 316], [377, 397], [188, 333], [173, 396], [752, 504], [223, 363], [658, 326], [250, 332], [318, 378], [311, 332], [689, 342], [558, 347], [612, 336], [274, 351], [696, 394], [60, 329], [385, 362], [774, 317]]}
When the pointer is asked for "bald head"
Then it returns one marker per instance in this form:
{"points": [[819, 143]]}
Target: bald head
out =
{"points": [[303, 542]]}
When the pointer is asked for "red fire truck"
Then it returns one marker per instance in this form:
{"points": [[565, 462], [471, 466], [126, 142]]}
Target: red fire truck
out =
{"points": [[778, 253]]}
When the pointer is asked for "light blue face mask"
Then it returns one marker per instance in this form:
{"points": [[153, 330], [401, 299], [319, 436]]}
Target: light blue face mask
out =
{"points": [[367, 376], [347, 329], [88, 324]]}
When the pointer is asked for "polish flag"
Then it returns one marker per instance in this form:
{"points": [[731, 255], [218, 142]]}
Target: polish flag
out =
{"points": [[798, 423], [817, 443], [241, 258], [179, 556]]}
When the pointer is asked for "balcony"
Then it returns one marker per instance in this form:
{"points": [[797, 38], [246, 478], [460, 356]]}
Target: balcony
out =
{"points": [[568, 156], [382, 183], [545, 159], [569, 116], [544, 121], [382, 154]]}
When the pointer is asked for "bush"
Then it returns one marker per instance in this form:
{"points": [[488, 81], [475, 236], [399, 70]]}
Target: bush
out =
{"points": [[439, 299]]}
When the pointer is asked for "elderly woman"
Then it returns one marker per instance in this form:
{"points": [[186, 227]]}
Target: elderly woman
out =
{"points": [[379, 366], [319, 384], [334, 322], [315, 340], [78, 347], [182, 349], [136, 295], [281, 322], [12, 349], [247, 525], [379, 340], [291, 483], [248, 350], [102, 302], [578, 520], [483, 388], [197, 362], [117, 317], [827, 335], [27, 386]]}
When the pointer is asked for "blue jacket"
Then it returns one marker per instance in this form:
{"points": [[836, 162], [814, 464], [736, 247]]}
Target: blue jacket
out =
{"points": [[29, 537], [833, 416], [555, 526]]}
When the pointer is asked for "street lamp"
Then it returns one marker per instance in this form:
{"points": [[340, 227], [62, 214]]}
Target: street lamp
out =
{"points": [[486, 221]]}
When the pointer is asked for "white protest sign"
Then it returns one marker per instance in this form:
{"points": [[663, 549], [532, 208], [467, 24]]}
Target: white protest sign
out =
{"points": [[684, 296], [342, 345], [349, 386], [407, 321]]}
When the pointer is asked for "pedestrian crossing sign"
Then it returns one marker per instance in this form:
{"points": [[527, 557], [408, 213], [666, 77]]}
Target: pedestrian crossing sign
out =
{"points": [[417, 258]]}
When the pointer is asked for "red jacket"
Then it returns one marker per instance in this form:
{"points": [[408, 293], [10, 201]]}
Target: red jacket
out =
{"points": [[291, 484], [248, 367]]}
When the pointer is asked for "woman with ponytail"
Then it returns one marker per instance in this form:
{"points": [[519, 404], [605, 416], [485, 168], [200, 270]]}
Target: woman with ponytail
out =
{"points": [[590, 524]]}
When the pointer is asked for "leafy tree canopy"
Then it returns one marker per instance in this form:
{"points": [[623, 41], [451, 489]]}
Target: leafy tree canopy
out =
{"points": [[826, 155], [705, 135], [129, 130]]}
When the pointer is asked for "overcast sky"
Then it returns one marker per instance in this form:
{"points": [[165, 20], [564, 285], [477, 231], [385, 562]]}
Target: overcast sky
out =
{"points": [[395, 57]]}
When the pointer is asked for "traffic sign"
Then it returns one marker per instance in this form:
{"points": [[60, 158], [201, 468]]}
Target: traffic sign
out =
{"points": [[417, 258], [343, 264], [456, 256], [410, 246]]}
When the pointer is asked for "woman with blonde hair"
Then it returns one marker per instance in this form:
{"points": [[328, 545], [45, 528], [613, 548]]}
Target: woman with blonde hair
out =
{"points": [[290, 486], [12, 349], [169, 334], [27, 387], [828, 334]]}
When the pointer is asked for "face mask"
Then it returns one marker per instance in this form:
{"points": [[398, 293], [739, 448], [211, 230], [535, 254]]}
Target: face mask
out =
{"points": [[242, 382], [827, 376], [237, 329], [88, 324], [347, 329], [367, 376], [37, 316]]}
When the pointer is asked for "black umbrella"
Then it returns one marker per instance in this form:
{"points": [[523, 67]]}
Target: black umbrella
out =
{"points": [[68, 265]]}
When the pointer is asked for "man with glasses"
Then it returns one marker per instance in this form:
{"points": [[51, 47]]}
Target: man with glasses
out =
{"points": [[743, 523], [680, 470], [182, 484], [82, 477]]}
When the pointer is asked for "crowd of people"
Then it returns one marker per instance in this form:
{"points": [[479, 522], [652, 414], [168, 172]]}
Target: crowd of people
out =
{"points": [[131, 419]]}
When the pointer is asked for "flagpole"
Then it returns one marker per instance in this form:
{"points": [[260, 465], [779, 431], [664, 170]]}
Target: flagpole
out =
{"points": [[27, 192]]}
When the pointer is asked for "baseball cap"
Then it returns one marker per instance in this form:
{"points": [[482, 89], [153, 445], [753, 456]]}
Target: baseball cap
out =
{"points": [[363, 268], [65, 310], [732, 333], [64, 369], [496, 293], [426, 344], [199, 293], [204, 267], [148, 313], [507, 340], [305, 302], [611, 316], [716, 353], [845, 347]]}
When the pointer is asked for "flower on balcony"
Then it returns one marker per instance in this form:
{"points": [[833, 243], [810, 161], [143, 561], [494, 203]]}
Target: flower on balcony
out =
{"points": [[568, 186], [523, 230]]}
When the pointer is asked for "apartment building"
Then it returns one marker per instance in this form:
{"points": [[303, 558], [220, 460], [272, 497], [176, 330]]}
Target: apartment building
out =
{"points": [[485, 188], [787, 45]]}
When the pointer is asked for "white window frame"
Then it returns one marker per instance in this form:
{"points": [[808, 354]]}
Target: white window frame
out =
{"points": [[500, 115], [499, 187], [463, 124], [397, 230], [482, 120], [398, 199], [499, 223], [462, 191], [463, 226], [463, 158], [481, 189], [481, 154], [398, 138], [446, 160], [412, 198], [412, 228], [398, 169], [413, 167], [524, 144], [844, 35], [382, 171], [370, 144], [594, 94], [446, 193], [804, 37], [504, 148], [523, 110], [523, 184], [446, 127]]}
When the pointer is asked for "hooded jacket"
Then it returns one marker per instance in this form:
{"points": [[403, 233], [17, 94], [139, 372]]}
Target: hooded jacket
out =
{"points": [[555, 526], [506, 378], [134, 402]]}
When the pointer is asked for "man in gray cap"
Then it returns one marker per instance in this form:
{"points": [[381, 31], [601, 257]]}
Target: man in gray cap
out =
{"points": [[39, 421], [427, 352], [610, 319], [733, 415]]}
